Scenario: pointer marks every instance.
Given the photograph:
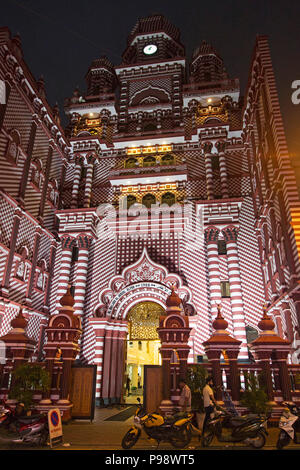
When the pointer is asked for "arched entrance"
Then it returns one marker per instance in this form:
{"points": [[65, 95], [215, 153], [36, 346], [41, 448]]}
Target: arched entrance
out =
{"points": [[142, 346]]}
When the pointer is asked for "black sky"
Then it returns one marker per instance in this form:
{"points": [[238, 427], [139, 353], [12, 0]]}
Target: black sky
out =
{"points": [[60, 38]]}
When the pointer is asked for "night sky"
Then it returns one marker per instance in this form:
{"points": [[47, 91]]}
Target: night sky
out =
{"points": [[61, 38]]}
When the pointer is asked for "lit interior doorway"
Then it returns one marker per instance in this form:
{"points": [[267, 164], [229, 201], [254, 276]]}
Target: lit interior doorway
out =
{"points": [[143, 346]]}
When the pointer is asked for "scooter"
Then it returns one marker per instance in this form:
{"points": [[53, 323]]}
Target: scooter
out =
{"points": [[175, 429], [249, 429], [289, 425], [27, 429]]}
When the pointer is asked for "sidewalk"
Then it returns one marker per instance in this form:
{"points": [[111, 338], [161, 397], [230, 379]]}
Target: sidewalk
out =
{"points": [[107, 435]]}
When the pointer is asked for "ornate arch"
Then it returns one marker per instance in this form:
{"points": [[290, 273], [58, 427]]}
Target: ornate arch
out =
{"points": [[151, 93], [144, 280]]}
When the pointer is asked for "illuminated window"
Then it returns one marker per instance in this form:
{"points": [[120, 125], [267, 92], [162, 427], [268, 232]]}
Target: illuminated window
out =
{"points": [[167, 160], [168, 198], [149, 161], [148, 200]]}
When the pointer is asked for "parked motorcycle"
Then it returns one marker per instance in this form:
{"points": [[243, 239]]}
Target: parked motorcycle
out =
{"points": [[26, 429], [175, 429], [289, 425], [249, 429]]}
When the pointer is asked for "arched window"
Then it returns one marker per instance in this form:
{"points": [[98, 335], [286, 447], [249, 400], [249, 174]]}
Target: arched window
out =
{"points": [[13, 148], [37, 177], [148, 200], [167, 159], [130, 200], [131, 163], [149, 161], [168, 198], [21, 265], [41, 277]]}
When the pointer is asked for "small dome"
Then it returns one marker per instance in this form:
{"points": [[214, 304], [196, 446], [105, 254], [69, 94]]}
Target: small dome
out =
{"points": [[67, 299], [173, 300], [219, 323], [266, 323], [19, 322]]}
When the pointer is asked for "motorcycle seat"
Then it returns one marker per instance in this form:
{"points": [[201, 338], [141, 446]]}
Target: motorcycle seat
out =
{"points": [[29, 419], [239, 420]]}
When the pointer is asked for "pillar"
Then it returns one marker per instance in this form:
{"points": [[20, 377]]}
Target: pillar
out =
{"points": [[46, 181], [211, 238], [76, 181], [65, 265], [237, 308], [89, 182], [84, 244], [223, 170], [280, 360], [26, 168], [207, 146], [36, 244]]}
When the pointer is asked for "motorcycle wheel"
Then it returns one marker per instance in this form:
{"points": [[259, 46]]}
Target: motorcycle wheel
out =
{"points": [[130, 439], [182, 438], [207, 437], [283, 440], [259, 441]]}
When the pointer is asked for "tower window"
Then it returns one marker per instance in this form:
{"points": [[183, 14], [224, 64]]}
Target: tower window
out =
{"points": [[222, 250], [215, 165], [225, 289], [74, 254]]}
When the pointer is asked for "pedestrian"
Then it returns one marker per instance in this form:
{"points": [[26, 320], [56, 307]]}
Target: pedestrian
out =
{"points": [[128, 381], [139, 381], [209, 401], [185, 400]]}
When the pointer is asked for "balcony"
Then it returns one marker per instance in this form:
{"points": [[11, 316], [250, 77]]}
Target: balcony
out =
{"points": [[148, 174]]}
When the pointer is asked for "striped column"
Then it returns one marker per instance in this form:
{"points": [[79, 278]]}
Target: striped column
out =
{"points": [[36, 244], [84, 244], [223, 171], [237, 308], [26, 167], [89, 182], [207, 146], [211, 238], [76, 181], [65, 266]]}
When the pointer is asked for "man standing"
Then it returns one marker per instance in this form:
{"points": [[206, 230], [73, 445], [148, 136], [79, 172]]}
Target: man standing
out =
{"points": [[209, 401], [185, 400]]}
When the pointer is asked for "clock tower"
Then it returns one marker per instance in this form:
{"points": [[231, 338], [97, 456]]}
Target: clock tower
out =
{"points": [[151, 76]]}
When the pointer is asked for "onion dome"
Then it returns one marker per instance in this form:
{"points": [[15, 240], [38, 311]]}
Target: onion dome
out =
{"points": [[220, 323], [266, 324], [19, 323], [67, 301], [173, 300]]}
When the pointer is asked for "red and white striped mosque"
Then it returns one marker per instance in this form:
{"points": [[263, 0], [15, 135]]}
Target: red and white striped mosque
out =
{"points": [[165, 176]]}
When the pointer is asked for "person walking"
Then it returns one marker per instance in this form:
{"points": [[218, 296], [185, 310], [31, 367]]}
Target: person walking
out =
{"points": [[185, 400], [209, 401], [128, 381]]}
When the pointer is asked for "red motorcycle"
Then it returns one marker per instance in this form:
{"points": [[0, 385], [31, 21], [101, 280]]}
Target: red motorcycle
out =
{"points": [[27, 429]]}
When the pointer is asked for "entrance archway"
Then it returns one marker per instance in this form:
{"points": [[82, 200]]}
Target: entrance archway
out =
{"points": [[142, 346]]}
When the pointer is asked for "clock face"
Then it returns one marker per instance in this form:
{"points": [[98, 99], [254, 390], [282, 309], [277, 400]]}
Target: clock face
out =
{"points": [[150, 49]]}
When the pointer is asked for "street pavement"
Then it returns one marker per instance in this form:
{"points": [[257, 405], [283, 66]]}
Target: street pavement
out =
{"points": [[107, 435]]}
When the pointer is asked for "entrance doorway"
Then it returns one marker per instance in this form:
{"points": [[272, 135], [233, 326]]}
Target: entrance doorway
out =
{"points": [[142, 347]]}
